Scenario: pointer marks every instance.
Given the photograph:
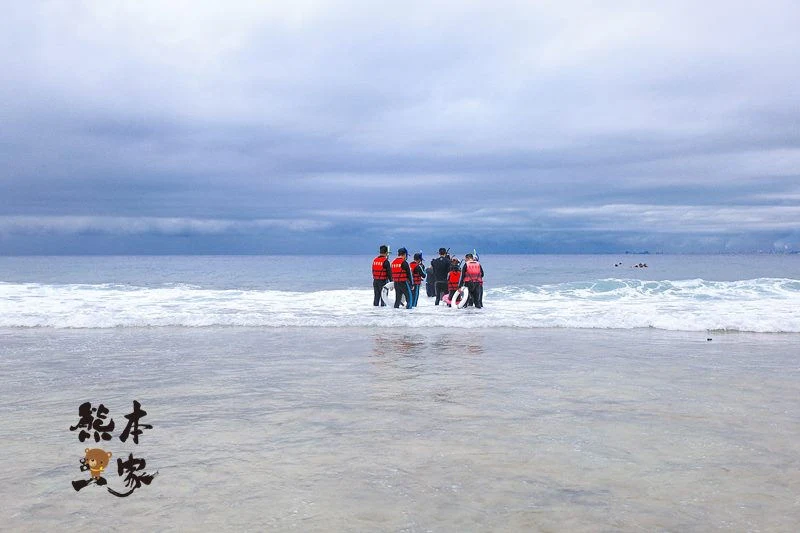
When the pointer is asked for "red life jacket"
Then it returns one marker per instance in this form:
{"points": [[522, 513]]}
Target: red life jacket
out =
{"points": [[398, 272], [473, 272], [415, 273], [452, 280], [378, 272]]}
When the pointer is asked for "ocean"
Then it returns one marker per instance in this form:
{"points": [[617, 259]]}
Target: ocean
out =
{"points": [[758, 293], [589, 394]]}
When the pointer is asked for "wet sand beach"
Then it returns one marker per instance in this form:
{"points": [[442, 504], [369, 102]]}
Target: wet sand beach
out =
{"points": [[366, 429]]}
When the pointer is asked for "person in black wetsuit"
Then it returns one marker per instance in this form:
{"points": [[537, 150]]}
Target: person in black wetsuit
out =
{"points": [[381, 274], [401, 274], [441, 268], [430, 282]]}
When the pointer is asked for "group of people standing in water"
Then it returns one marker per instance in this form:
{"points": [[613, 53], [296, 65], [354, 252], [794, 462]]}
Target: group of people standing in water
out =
{"points": [[448, 274]]}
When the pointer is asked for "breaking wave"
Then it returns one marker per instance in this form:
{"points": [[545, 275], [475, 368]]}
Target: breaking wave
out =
{"points": [[757, 305]]}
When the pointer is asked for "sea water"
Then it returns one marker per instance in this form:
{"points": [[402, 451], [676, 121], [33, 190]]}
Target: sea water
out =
{"points": [[756, 293], [584, 397]]}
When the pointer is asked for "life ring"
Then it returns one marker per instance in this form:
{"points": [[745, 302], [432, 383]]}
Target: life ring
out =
{"points": [[388, 296], [460, 297]]}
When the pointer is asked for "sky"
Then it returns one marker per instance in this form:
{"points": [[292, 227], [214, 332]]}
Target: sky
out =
{"points": [[331, 127]]}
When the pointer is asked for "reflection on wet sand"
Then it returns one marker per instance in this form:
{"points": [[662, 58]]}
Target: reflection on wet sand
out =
{"points": [[415, 343]]}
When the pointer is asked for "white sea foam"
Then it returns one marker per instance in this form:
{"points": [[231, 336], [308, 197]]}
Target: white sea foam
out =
{"points": [[758, 305]]}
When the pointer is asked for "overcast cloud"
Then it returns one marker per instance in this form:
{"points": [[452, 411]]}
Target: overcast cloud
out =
{"points": [[332, 127]]}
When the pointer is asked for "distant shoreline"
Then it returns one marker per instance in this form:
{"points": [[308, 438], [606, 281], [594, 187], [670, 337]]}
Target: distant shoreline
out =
{"points": [[431, 254]]}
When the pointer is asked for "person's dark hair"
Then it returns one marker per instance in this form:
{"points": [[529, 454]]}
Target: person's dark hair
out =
{"points": [[402, 251], [384, 249], [442, 251]]}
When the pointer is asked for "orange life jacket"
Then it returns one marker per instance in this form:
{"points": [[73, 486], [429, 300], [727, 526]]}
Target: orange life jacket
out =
{"points": [[452, 280], [378, 272], [473, 272], [398, 272], [415, 273]]}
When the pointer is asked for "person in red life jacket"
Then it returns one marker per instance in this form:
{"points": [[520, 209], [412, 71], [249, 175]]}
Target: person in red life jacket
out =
{"points": [[472, 278], [453, 277], [381, 274], [418, 273], [401, 274]]}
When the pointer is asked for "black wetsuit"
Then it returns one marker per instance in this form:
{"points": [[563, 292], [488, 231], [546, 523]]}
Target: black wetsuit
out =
{"points": [[430, 282], [441, 268]]}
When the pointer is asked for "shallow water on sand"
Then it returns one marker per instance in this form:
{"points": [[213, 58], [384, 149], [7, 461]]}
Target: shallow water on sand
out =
{"points": [[357, 429]]}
